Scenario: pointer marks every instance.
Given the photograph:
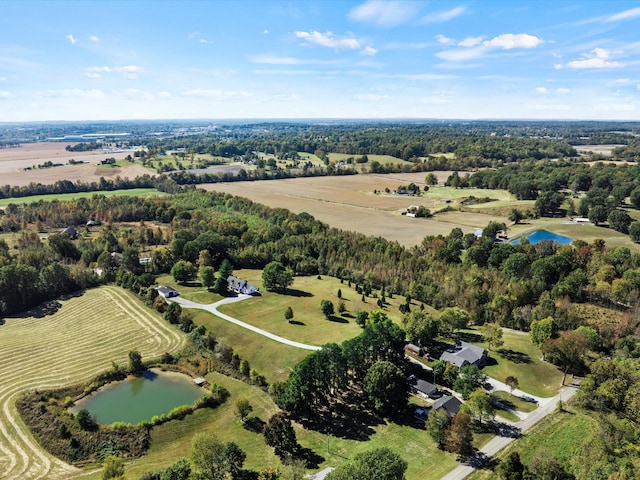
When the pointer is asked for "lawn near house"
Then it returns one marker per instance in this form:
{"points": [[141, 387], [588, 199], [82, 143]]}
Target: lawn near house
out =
{"points": [[518, 357]]}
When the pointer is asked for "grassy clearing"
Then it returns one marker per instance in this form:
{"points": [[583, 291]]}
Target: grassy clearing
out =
{"points": [[564, 436], [517, 402], [520, 358], [133, 192], [68, 343], [193, 291]]}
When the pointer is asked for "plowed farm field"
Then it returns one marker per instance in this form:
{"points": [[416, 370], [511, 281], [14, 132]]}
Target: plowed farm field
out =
{"points": [[349, 203], [82, 338]]}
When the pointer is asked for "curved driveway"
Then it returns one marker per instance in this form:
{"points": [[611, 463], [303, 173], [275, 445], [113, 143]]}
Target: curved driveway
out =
{"points": [[213, 308]]}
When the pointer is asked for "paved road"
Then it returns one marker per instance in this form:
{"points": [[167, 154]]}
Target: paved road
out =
{"points": [[510, 433], [213, 308]]}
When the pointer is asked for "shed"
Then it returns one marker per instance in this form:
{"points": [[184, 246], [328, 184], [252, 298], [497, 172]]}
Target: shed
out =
{"points": [[199, 381], [167, 292], [411, 348], [71, 231]]}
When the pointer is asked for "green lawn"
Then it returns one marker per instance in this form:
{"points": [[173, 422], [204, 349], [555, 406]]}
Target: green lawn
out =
{"points": [[565, 436], [516, 401], [520, 358], [132, 192]]}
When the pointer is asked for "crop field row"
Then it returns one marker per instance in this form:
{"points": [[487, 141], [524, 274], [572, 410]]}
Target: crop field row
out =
{"points": [[72, 345]]}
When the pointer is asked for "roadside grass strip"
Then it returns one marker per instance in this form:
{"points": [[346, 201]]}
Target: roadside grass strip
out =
{"points": [[74, 344]]}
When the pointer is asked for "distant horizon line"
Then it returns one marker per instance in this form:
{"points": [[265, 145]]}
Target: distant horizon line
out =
{"points": [[323, 119]]}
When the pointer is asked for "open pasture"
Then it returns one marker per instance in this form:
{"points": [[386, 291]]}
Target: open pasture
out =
{"points": [[349, 203], [133, 192], [64, 343]]}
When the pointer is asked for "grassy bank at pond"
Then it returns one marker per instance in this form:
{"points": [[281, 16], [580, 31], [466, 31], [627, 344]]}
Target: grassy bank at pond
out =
{"points": [[564, 436], [132, 192], [172, 440]]}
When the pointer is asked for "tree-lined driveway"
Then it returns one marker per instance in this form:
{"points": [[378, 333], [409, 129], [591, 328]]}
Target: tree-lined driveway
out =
{"points": [[213, 308]]}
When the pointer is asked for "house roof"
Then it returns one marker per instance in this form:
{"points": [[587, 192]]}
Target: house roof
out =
{"points": [[464, 353], [450, 403], [425, 387], [71, 231], [238, 283]]}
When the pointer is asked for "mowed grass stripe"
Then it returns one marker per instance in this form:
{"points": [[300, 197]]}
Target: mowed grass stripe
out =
{"points": [[61, 349]]}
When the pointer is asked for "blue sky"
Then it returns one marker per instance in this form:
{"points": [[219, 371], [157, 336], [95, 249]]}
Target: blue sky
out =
{"points": [[109, 60]]}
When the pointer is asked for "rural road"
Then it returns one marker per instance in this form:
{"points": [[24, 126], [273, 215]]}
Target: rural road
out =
{"points": [[213, 308], [545, 407]]}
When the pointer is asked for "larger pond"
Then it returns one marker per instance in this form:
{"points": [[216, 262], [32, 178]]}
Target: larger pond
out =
{"points": [[141, 398], [540, 235]]}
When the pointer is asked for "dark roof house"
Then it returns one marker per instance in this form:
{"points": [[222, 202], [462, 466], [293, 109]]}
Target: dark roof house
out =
{"points": [[463, 353], [422, 387], [450, 403], [71, 231]]}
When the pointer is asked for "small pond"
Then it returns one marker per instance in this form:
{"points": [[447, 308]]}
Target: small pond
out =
{"points": [[140, 398], [540, 235]]}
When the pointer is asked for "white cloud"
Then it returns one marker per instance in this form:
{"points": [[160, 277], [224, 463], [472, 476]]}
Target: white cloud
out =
{"points": [[285, 72], [596, 58], [203, 40], [369, 50], [509, 41], [5, 95], [265, 31], [563, 91], [624, 15], [434, 99], [384, 13], [92, 75], [73, 93], [444, 40], [542, 90], [286, 96], [327, 39], [614, 107], [216, 94], [135, 93], [164, 95], [444, 16], [470, 42], [71, 39], [638, 87], [369, 97], [129, 71], [461, 54], [267, 59], [4, 80], [619, 82], [93, 38]]}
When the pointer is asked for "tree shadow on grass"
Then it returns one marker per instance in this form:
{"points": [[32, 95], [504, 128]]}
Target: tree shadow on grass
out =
{"points": [[311, 459], [351, 423], [469, 337], [40, 311], [293, 292], [334, 318], [513, 356], [348, 315], [254, 424], [296, 322]]}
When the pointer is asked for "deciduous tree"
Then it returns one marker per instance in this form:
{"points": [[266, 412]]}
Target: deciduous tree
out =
{"points": [[279, 434], [492, 333], [380, 464], [460, 436], [276, 278], [386, 387]]}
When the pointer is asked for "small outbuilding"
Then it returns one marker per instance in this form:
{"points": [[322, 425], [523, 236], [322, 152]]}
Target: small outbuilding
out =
{"points": [[71, 231], [167, 292], [199, 381], [411, 348], [450, 403]]}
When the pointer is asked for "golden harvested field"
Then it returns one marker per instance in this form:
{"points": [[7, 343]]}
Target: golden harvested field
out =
{"points": [[349, 203], [14, 160], [70, 346]]}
